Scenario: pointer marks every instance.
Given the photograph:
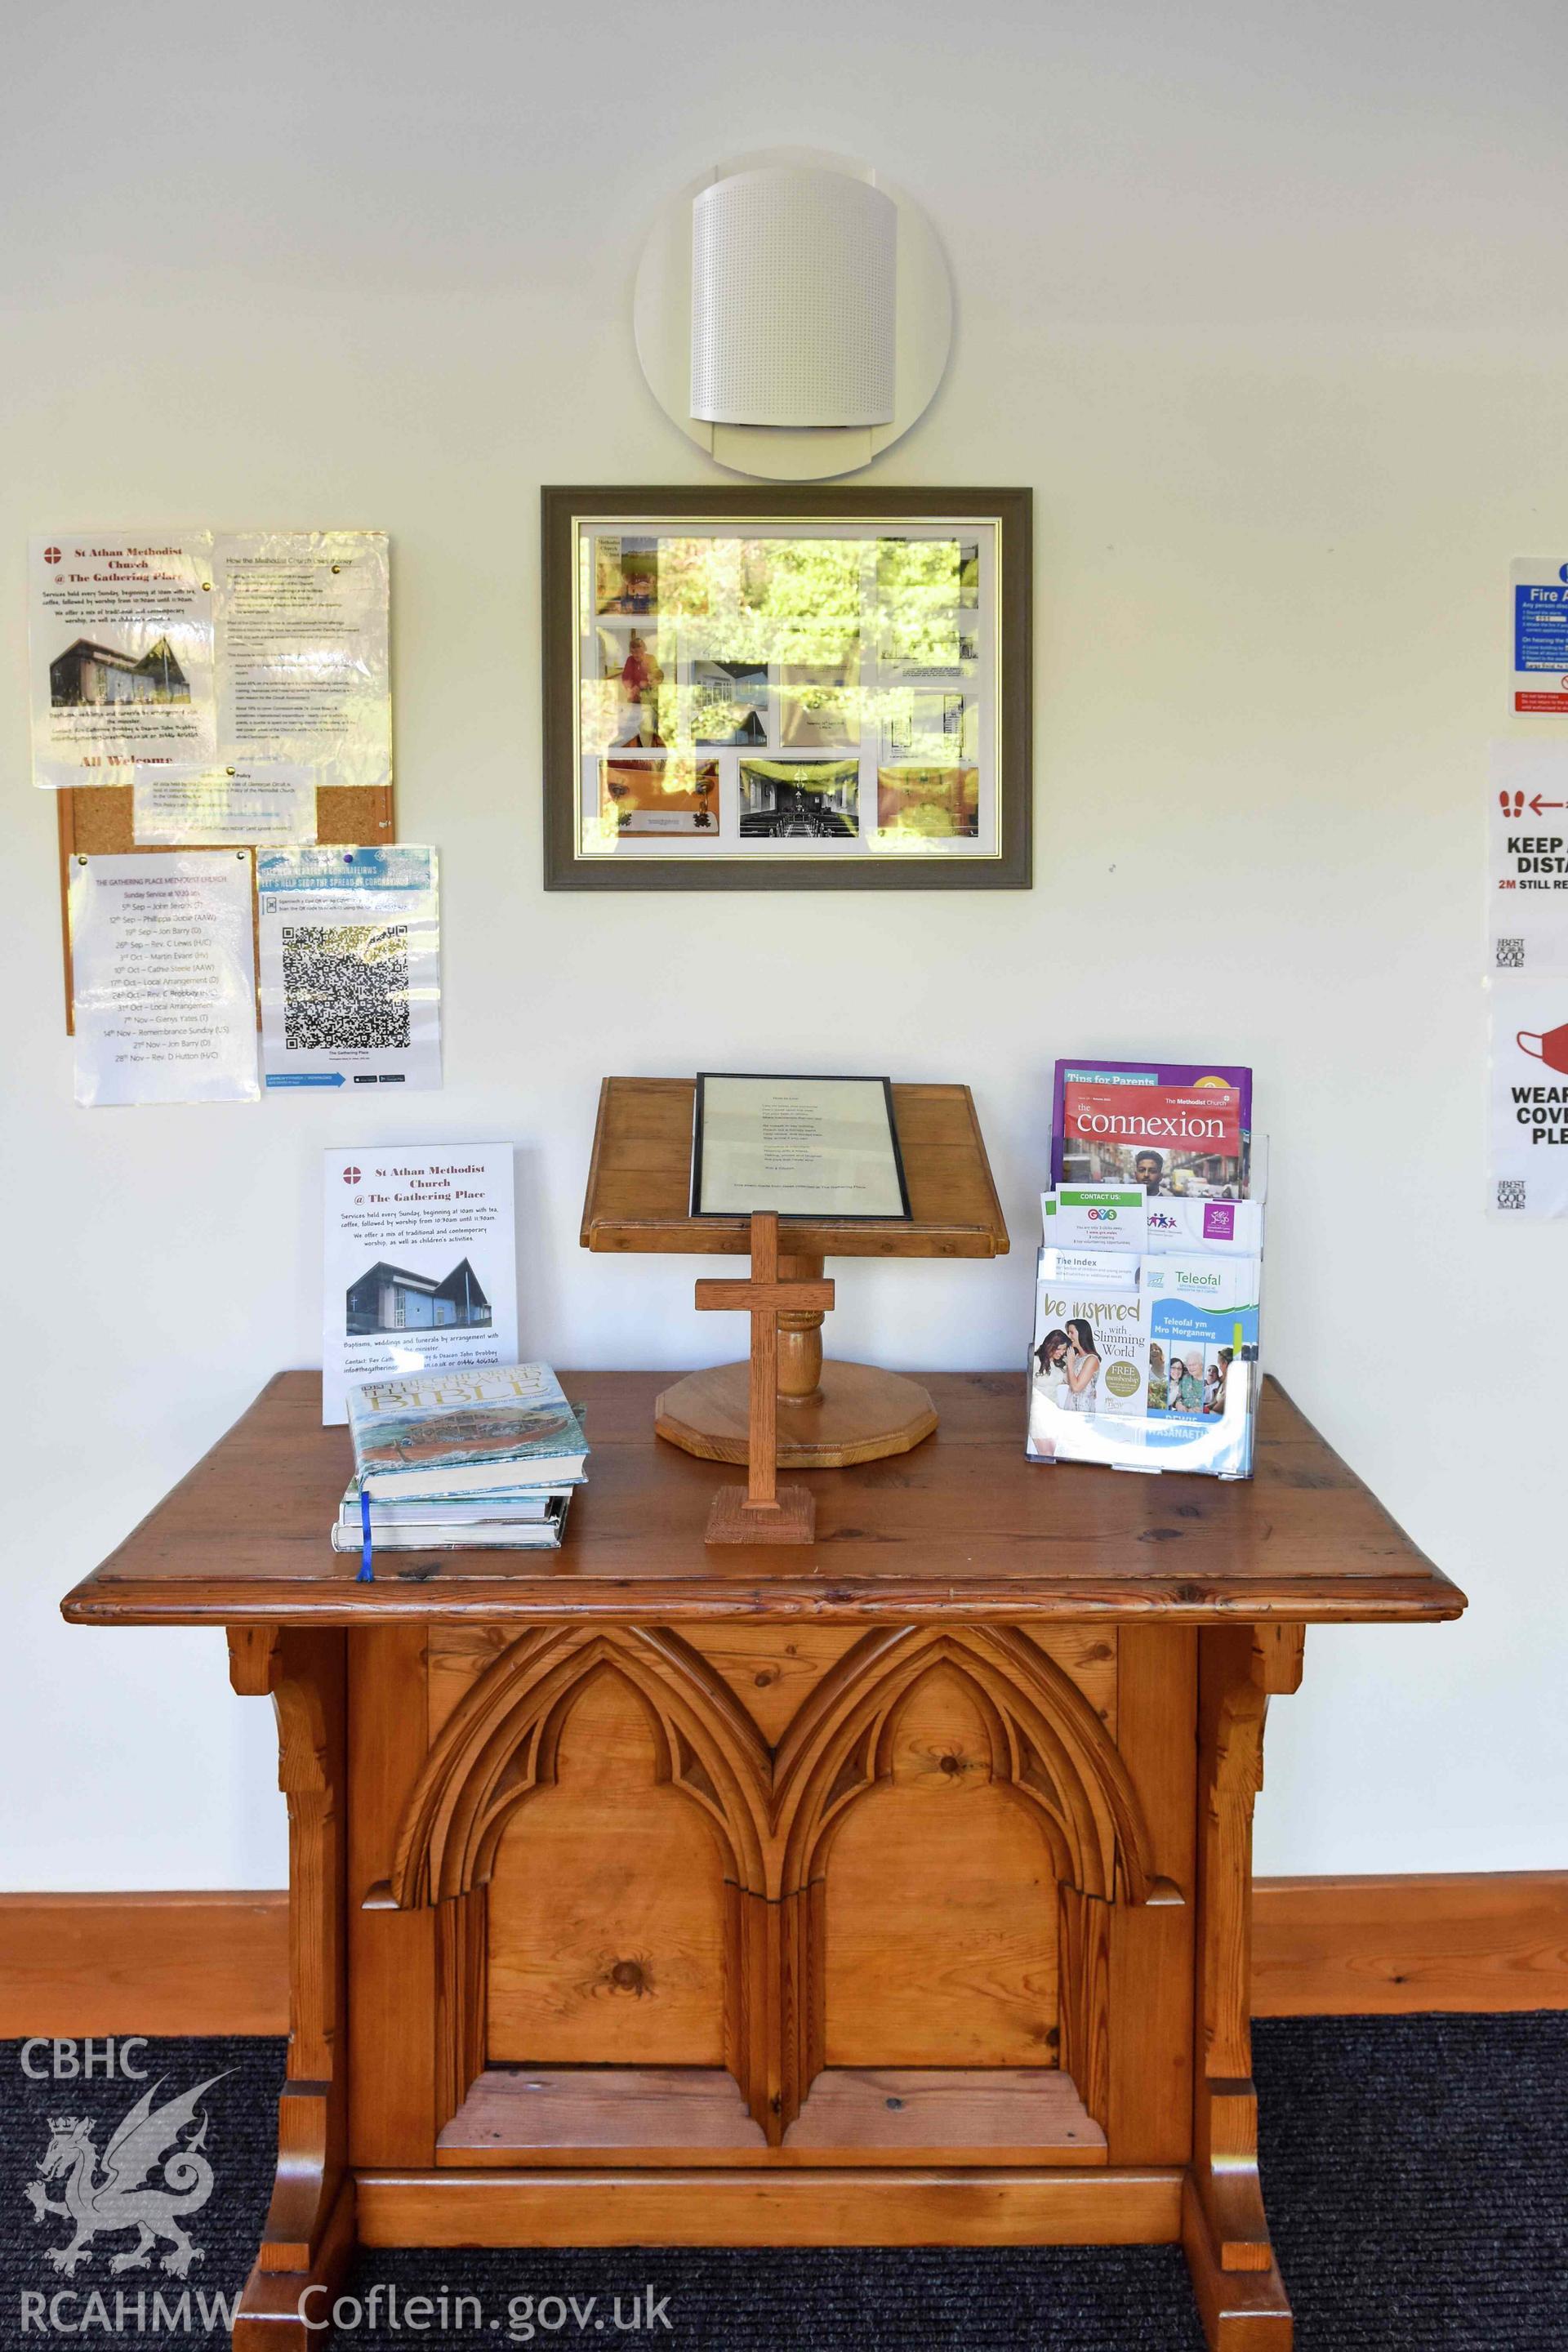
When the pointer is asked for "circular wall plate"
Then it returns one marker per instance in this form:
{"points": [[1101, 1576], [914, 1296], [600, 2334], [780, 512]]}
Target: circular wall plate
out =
{"points": [[662, 323]]}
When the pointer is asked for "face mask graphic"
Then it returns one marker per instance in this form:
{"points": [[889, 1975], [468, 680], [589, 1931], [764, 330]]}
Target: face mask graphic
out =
{"points": [[1550, 1047]]}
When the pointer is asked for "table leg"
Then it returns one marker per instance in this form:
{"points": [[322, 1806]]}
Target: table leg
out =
{"points": [[308, 2236], [1225, 2231]]}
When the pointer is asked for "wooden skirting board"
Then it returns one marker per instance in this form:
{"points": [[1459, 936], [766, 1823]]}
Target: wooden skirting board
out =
{"points": [[1393, 1946], [155, 1964], [218, 1963]]}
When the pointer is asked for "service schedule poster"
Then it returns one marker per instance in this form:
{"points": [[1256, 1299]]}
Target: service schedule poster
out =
{"points": [[420, 1264], [164, 977]]}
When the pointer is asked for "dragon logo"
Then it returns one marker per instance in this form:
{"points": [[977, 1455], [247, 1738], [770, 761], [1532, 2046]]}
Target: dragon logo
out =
{"points": [[123, 2196]]}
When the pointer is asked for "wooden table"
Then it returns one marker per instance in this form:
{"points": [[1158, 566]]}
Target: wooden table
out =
{"points": [[892, 1890]]}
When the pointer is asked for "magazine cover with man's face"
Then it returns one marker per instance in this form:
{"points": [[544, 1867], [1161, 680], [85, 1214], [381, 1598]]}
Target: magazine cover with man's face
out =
{"points": [[1177, 1130]]}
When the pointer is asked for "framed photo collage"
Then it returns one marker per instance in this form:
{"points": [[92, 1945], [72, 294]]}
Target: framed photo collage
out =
{"points": [[783, 688]]}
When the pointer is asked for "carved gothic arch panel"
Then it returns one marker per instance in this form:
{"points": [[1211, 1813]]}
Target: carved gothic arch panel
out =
{"points": [[1047, 1746], [502, 1740], [774, 1814]]}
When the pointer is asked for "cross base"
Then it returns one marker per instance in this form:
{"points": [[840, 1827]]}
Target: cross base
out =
{"points": [[856, 1412], [790, 1518]]}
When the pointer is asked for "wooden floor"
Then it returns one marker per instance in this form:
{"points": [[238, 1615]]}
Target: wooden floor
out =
{"points": [[668, 2115]]}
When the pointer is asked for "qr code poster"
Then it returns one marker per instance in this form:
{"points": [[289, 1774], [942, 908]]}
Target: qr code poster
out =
{"points": [[1527, 1176], [1526, 864], [351, 967]]}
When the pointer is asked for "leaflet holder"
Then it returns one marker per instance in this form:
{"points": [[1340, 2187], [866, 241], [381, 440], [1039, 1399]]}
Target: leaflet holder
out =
{"points": [[1213, 1445]]}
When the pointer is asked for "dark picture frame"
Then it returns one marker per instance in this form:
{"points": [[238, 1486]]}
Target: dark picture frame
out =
{"points": [[564, 509], [815, 1079]]}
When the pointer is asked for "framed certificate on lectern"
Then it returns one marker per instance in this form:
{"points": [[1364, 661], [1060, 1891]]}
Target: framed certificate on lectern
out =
{"points": [[806, 1147]]}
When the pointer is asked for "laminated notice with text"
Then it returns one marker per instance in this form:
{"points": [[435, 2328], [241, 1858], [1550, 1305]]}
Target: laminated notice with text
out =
{"points": [[1539, 589], [121, 635], [199, 806], [350, 971], [164, 977], [302, 651]]}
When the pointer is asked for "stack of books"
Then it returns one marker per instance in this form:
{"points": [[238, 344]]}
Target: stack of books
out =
{"points": [[483, 1460]]}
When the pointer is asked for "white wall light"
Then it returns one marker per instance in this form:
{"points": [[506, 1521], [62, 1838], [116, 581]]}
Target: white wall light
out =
{"points": [[793, 299], [793, 314]]}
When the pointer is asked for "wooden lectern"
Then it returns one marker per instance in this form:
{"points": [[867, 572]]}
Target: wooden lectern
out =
{"points": [[829, 1413], [890, 1890]]}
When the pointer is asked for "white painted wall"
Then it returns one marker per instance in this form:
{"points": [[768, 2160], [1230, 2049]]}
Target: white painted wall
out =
{"points": [[1268, 305]]}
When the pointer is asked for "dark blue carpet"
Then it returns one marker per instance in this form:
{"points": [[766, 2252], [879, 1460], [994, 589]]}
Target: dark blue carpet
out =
{"points": [[1416, 2171]]}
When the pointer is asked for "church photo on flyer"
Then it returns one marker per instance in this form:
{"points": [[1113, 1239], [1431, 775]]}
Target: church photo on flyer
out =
{"points": [[419, 1263]]}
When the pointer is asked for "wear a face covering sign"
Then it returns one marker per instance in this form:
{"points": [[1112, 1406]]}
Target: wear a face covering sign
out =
{"points": [[1529, 1172]]}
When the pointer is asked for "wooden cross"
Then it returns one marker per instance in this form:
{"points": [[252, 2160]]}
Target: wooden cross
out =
{"points": [[763, 1511]]}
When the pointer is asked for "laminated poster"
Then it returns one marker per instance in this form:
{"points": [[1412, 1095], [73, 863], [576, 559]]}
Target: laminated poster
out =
{"points": [[1528, 1177], [183, 646], [301, 651], [120, 632], [1540, 637], [420, 1264], [265, 801], [163, 973], [351, 969], [1527, 865]]}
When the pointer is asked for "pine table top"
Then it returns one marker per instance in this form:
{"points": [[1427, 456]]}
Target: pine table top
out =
{"points": [[962, 1527]]}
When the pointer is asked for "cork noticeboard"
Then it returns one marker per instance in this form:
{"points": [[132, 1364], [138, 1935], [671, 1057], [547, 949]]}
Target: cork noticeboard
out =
{"points": [[95, 822]]}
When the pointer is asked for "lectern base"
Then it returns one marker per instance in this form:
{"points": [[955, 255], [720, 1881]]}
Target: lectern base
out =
{"points": [[858, 1414]]}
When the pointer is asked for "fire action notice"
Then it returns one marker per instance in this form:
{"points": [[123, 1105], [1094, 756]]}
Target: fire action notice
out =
{"points": [[1540, 637]]}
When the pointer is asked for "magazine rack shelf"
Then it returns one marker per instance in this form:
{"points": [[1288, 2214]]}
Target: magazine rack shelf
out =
{"points": [[830, 1413]]}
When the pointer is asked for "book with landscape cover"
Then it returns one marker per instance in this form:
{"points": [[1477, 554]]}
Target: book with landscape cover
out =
{"points": [[1176, 1129], [465, 1433]]}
